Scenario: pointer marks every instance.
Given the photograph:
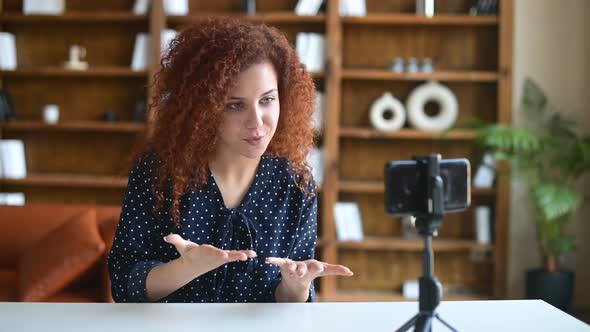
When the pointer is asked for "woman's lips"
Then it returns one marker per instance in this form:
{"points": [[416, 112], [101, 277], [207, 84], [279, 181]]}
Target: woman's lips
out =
{"points": [[254, 140]]}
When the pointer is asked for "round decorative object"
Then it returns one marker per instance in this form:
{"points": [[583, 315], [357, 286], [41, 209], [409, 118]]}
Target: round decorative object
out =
{"points": [[387, 103], [432, 92]]}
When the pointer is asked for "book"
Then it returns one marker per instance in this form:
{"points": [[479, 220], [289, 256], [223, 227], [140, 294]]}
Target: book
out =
{"points": [[43, 7], [353, 8], [308, 7], [176, 7], [12, 159], [315, 159], [310, 48], [320, 107], [166, 37], [483, 224], [12, 199], [486, 173], [141, 7], [7, 51], [348, 221], [141, 52]]}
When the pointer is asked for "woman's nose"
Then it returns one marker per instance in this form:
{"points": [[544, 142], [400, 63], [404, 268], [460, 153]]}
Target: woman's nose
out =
{"points": [[254, 118]]}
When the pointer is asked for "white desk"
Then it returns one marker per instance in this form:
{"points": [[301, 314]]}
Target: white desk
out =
{"points": [[325, 317]]}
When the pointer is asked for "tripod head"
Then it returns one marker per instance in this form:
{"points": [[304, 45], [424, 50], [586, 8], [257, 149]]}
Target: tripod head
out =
{"points": [[430, 218]]}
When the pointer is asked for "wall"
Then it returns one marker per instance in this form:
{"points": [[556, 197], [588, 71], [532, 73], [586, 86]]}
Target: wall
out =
{"points": [[552, 46]]}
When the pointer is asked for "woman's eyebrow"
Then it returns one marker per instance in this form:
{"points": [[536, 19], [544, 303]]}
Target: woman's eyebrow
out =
{"points": [[242, 98]]}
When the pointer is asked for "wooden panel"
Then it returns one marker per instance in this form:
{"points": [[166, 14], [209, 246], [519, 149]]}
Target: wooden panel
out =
{"points": [[474, 99], [86, 153], [106, 44], [77, 98], [370, 156], [387, 270], [451, 48]]}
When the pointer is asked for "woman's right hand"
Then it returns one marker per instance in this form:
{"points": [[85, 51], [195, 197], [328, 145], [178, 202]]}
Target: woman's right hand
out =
{"points": [[202, 258]]}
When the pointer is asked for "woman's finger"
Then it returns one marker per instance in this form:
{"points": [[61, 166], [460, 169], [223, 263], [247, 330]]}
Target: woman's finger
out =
{"points": [[301, 269], [290, 267], [336, 270], [178, 242], [236, 255], [276, 261]]}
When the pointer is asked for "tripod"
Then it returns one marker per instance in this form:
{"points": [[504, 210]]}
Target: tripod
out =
{"points": [[427, 223]]}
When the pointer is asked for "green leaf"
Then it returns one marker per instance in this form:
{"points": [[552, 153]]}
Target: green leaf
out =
{"points": [[555, 201], [533, 98]]}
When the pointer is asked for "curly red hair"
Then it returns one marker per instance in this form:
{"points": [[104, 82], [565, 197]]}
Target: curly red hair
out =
{"points": [[190, 93]]}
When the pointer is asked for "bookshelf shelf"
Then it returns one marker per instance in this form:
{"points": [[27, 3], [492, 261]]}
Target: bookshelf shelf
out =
{"points": [[271, 17], [369, 133], [80, 126], [445, 76], [73, 17], [114, 72], [392, 243], [411, 19], [67, 180]]}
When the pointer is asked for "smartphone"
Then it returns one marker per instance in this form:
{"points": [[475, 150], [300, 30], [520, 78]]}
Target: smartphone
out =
{"points": [[406, 191]]}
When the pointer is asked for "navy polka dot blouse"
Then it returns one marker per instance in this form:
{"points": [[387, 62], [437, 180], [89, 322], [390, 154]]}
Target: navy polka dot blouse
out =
{"points": [[275, 219]]}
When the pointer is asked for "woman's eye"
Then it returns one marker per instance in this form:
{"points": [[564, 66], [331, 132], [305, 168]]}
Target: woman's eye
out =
{"points": [[267, 100], [234, 106]]}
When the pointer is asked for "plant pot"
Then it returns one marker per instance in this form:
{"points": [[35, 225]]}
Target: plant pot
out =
{"points": [[555, 288]]}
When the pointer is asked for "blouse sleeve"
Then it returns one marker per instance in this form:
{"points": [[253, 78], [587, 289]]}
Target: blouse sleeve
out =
{"points": [[305, 239], [133, 254]]}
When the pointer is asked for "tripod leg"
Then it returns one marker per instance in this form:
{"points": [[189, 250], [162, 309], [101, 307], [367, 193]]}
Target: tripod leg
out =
{"points": [[408, 324], [445, 323], [423, 324]]}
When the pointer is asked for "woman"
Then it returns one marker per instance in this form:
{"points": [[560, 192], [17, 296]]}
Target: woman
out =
{"points": [[221, 206]]}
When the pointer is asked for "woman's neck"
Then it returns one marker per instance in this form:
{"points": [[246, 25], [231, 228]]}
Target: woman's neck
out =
{"points": [[233, 168]]}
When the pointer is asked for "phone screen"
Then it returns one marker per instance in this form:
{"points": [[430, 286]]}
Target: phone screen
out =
{"points": [[405, 186]]}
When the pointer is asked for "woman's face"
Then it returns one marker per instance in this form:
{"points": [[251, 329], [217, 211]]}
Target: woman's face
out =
{"points": [[251, 112]]}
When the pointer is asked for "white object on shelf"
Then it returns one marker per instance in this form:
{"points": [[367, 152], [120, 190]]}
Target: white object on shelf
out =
{"points": [[310, 48], [432, 92], [141, 52], [348, 221], [141, 7], [425, 8], [412, 66], [176, 7], [411, 289], [483, 223], [12, 199], [43, 7], [387, 103], [308, 7], [51, 114], [12, 159], [166, 37], [7, 51], [315, 159], [485, 174], [318, 114], [77, 53], [353, 8]]}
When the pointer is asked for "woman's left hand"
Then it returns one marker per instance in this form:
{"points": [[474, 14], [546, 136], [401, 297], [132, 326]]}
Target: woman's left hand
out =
{"points": [[303, 272]]}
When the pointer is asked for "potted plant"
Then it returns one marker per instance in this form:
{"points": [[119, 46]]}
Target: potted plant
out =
{"points": [[551, 157]]}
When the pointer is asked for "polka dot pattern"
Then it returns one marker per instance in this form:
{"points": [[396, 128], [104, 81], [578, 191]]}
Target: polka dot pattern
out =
{"points": [[275, 219]]}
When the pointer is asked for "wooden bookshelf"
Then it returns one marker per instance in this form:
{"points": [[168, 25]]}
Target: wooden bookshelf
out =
{"points": [[82, 159]]}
